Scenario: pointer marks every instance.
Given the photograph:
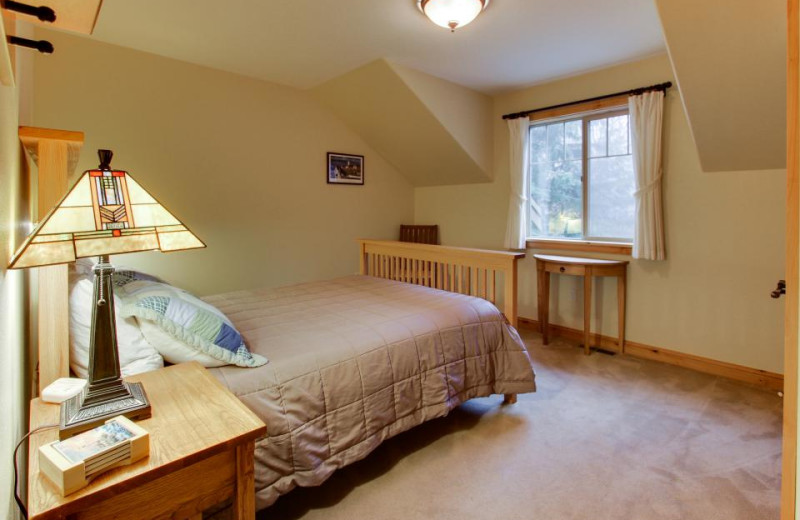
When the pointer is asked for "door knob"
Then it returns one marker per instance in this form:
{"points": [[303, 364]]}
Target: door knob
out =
{"points": [[781, 289]]}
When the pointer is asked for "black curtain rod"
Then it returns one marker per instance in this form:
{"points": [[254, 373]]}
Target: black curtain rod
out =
{"points": [[43, 46], [633, 92], [43, 13]]}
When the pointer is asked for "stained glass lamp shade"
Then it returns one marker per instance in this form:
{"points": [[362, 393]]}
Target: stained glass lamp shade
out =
{"points": [[105, 213]]}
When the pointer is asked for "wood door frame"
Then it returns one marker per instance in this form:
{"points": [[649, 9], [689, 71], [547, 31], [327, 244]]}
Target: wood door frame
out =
{"points": [[789, 479]]}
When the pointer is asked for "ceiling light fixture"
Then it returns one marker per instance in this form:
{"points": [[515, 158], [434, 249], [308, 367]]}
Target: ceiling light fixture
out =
{"points": [[451, 14]]}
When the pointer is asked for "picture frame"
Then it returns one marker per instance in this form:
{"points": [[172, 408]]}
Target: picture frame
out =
{"points": [[345, 168]]}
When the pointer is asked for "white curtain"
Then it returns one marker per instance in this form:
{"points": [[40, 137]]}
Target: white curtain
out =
{"points": [[517, 227], [646, 114]]}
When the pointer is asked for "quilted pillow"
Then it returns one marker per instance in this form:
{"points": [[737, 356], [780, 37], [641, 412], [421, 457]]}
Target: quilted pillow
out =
{"points": [[136, 353], [202, 330]]}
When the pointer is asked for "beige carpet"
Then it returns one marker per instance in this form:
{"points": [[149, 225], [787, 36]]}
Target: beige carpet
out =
{"points": [[605, 437]]}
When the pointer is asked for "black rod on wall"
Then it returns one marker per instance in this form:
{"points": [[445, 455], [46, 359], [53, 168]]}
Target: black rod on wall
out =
{"points": [[41, 12], [43, 46], [633, 92]]}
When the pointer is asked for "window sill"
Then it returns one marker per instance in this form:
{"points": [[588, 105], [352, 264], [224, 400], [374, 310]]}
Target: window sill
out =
{"points": [[612, 248]]}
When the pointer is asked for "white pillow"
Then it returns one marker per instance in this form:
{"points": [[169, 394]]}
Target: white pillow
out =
{"points": [[136, 355]]}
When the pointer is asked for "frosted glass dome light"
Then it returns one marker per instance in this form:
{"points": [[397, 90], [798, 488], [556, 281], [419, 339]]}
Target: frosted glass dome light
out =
{"points": [[451, 14]]}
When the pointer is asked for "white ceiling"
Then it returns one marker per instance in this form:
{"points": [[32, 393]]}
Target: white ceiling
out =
{"points": [[303, 43]]}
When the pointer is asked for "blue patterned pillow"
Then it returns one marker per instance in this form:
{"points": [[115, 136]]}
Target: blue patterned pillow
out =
{"points": [[189, 320], [125, 276]]}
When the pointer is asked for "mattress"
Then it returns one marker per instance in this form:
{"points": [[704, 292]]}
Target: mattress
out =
{"points": [[356, 360]]}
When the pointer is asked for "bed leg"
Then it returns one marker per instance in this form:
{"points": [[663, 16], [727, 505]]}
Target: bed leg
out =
{"points": [[509, 398]]}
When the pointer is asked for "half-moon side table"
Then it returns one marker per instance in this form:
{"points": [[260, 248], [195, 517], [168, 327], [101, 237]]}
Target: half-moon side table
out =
{"points": [[586, 267]]}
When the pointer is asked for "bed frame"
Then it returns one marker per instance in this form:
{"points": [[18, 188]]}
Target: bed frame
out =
{"points": [[455, 269]]}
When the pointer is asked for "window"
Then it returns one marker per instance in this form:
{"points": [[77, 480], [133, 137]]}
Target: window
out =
{"points": [[581, 178]]}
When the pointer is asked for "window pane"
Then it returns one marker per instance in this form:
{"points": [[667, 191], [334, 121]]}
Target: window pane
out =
{"points": [[556, 171], [539, 199], [618, 135], [556, 205], [538, 144], [573, 139], [555, 142], [597, 138], [611, 203]]}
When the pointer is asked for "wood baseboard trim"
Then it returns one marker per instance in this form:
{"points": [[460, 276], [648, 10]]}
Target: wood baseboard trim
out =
{"points": [[754, 376]]}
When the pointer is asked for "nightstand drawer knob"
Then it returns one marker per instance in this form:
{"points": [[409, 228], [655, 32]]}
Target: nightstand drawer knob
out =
{"points": [[562, 269]]}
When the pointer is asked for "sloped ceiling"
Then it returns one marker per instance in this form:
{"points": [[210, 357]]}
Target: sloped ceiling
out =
{"points": [[303, 43], [729, 58], [432, 131], [465, 113]]}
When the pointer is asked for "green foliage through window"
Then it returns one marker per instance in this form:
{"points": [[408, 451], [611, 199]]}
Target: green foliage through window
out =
{"points": [[563, 168]]}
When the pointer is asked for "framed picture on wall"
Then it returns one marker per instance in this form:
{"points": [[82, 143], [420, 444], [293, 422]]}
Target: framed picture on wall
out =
{"points": [[345, 168]]}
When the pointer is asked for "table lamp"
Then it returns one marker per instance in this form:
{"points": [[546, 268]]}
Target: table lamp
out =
{"points": [[105, 212]]}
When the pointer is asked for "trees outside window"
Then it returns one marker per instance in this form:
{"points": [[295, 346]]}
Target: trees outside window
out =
{"points": [[581, 178]]}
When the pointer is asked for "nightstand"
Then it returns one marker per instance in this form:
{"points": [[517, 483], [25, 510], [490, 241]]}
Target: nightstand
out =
{"points": [[201, 454]]}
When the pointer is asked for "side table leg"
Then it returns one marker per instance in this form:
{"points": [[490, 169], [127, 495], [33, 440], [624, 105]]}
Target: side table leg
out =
{"points": [[621, 283], [244, 506], [587, 309], [539, 293], [546, 308]]}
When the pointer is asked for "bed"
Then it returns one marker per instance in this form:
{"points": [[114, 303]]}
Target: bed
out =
{"points": [[354, 360], [388, 355]]}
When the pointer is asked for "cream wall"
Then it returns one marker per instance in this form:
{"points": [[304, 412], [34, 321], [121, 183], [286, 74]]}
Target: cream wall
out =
{"points": [[214, 147], [725, 238], [242, 162], [14, 223], [12, 319], [403, 118]]}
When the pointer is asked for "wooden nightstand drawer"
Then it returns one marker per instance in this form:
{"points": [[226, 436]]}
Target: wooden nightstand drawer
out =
{"points": [[189, 491], [202, 441]]}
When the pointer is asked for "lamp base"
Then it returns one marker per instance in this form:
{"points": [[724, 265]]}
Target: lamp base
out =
{"points": [[100, 402]]}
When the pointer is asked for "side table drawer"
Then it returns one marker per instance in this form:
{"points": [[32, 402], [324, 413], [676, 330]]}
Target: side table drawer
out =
{"points": [[575, 270]]}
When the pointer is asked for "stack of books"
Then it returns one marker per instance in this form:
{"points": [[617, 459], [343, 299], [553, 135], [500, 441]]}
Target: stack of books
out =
{"points": [[70, 464]]}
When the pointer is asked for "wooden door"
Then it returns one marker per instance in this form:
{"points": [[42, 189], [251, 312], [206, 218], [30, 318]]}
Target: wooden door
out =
{"points": [[789, 484]]}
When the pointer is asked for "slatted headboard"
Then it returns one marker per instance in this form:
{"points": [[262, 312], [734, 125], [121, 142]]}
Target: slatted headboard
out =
{"points": [[454, 269]]}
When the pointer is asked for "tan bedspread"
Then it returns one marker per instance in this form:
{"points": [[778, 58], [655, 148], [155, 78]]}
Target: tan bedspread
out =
{"points": [[356, 360]]}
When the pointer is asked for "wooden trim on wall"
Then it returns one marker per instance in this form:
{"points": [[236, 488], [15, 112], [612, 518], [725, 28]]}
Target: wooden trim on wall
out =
{"points": [[590, 106], [30, 135], [792, 308], [56, 154], [611, 248], [754, 376]]}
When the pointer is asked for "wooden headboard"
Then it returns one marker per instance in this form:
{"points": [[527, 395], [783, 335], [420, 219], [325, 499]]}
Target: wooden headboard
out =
{"points": [[454, 269]]}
